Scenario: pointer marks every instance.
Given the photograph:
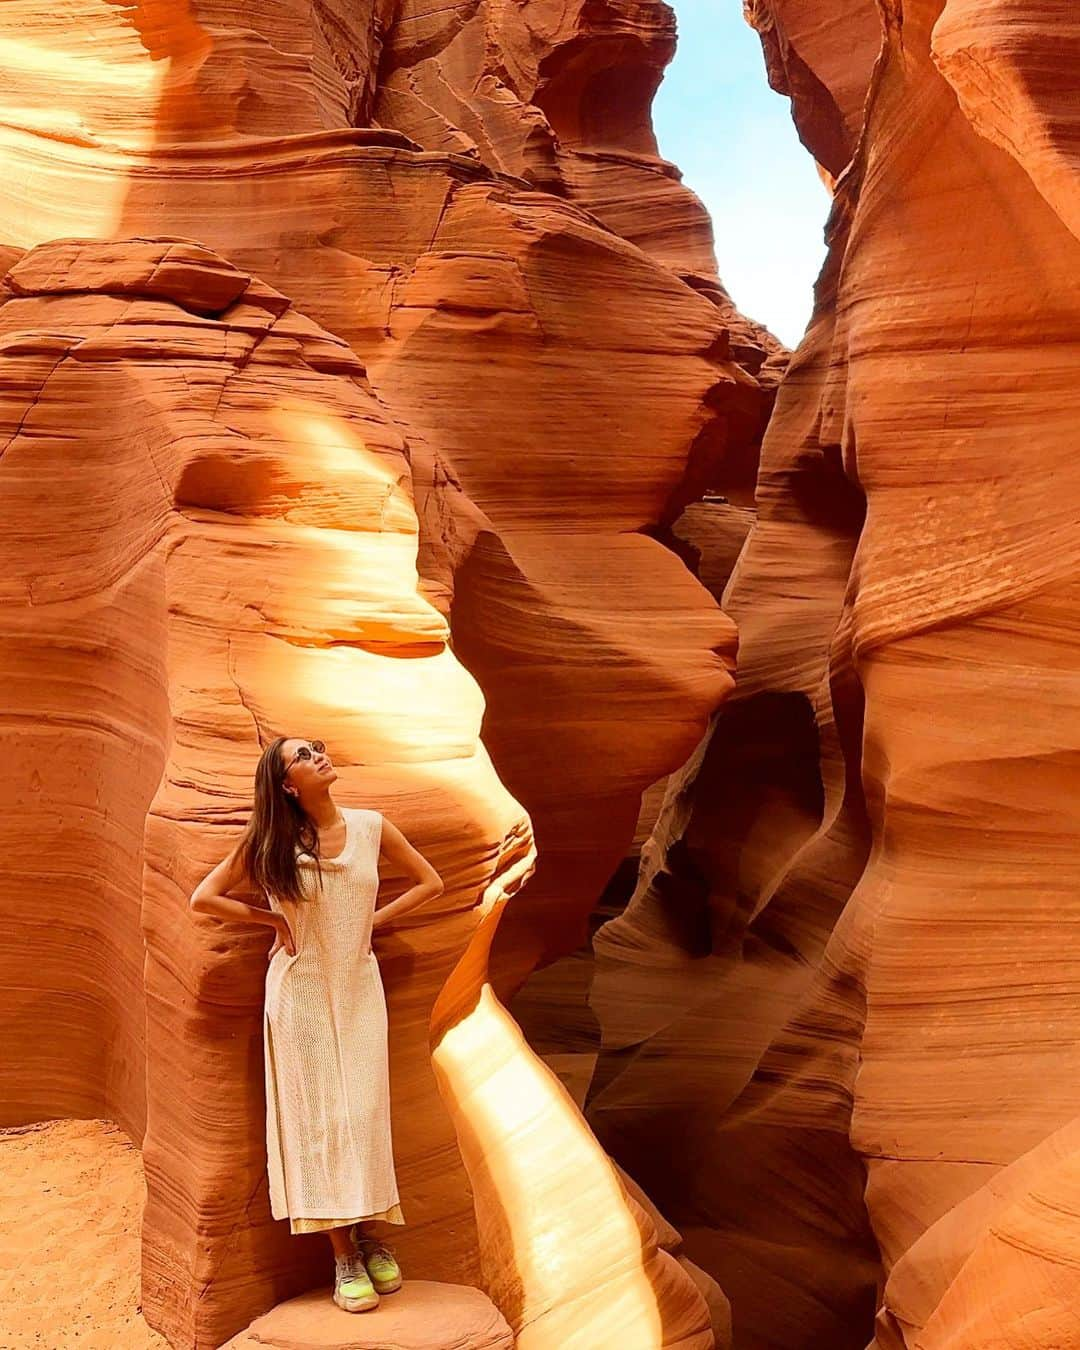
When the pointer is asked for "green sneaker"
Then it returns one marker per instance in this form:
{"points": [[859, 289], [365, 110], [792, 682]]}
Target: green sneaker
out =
{"points": [[381, 1266], [353, 1290]]}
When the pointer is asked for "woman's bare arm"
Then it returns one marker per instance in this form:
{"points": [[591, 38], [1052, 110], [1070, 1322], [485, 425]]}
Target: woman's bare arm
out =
{"points": [[398, 851], [210, 897]]}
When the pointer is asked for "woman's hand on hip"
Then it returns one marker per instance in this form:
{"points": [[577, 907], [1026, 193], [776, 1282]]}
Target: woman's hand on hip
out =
{"points": [[283, 937]]}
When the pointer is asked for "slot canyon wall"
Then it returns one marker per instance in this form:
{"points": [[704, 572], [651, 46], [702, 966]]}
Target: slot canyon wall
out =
{"points": [[363, 372], [356, 364], [838, 1016]]}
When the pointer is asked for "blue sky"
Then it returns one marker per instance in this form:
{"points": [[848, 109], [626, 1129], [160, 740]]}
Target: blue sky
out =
{"points": [[734, 140]]}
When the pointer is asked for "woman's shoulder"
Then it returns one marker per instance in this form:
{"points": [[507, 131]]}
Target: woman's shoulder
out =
{"points": [[367, 823]]}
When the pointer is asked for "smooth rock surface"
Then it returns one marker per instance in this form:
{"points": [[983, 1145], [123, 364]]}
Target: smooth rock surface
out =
{"points": [[841, 1004], [421, 1315], [822, 57], [251, 437], [296, 388]]}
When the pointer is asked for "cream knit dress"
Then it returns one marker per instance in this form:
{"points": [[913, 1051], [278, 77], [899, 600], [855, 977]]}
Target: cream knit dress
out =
{"points": [[329, 1153]]}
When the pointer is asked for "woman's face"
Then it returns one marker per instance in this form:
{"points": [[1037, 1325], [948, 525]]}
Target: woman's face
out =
{"points": [[308, 767]]}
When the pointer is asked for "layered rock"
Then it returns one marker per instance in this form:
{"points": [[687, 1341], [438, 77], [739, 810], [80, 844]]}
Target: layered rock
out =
{"points": [[320, 398], [841, 998], [244, 540], [557, 95], [1000, 1260], [822, 58]]}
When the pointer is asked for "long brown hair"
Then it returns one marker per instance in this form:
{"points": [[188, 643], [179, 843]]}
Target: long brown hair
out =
{"points": [[278, 826]]}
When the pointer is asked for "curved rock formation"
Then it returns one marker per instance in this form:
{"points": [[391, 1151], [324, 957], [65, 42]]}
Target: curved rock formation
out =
{"points": [[845, 987], [259, 479], [821, 56], [356, 430], [1000, 1262]]}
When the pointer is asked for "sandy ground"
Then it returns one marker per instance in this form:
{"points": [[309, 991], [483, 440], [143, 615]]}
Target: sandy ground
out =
{"points": [[71, 1199]]}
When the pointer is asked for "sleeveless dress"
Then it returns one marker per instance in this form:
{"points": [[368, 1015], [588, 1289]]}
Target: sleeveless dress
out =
{"points": [[329, 1151]]}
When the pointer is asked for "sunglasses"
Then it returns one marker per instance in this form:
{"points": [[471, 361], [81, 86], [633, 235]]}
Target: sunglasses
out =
{"points": [[305, 752]]}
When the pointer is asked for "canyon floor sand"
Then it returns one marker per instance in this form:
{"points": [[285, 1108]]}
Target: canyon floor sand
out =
{"points": [[71, 1198]]}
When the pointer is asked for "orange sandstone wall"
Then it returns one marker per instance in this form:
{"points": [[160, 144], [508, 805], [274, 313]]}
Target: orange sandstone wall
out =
{"points": [[314, 421], [846, 986]]}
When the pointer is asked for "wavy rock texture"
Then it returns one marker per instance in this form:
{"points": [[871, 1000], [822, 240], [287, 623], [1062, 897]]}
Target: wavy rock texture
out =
{"points": [[208, 541], [557, 95], [998, 1269], [842, 999], [821, 56], [319, 397], [249, 436]]}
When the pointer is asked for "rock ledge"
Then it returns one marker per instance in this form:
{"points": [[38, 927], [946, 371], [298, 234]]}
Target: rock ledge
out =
{"points": [[421, 1315]]}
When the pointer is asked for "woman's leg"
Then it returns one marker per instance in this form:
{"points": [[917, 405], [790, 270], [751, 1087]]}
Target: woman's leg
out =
{"points": [[340, 1240], [354, 1289], [378, 1258]]}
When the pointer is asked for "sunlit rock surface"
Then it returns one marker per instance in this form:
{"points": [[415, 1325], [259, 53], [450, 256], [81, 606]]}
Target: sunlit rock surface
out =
{"points": [[231, 430], [421, 1315], [293, 390], [821, 55], [841, 1004], [554, 94]]}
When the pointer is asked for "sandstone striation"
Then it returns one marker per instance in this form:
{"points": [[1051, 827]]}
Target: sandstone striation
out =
{"points": [[252, 436], [841, 1000], [821, 57], [313, 420], [556, 95]]}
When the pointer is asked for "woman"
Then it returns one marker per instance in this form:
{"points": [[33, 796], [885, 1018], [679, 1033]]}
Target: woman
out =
{"points": [[328, 1140]]}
